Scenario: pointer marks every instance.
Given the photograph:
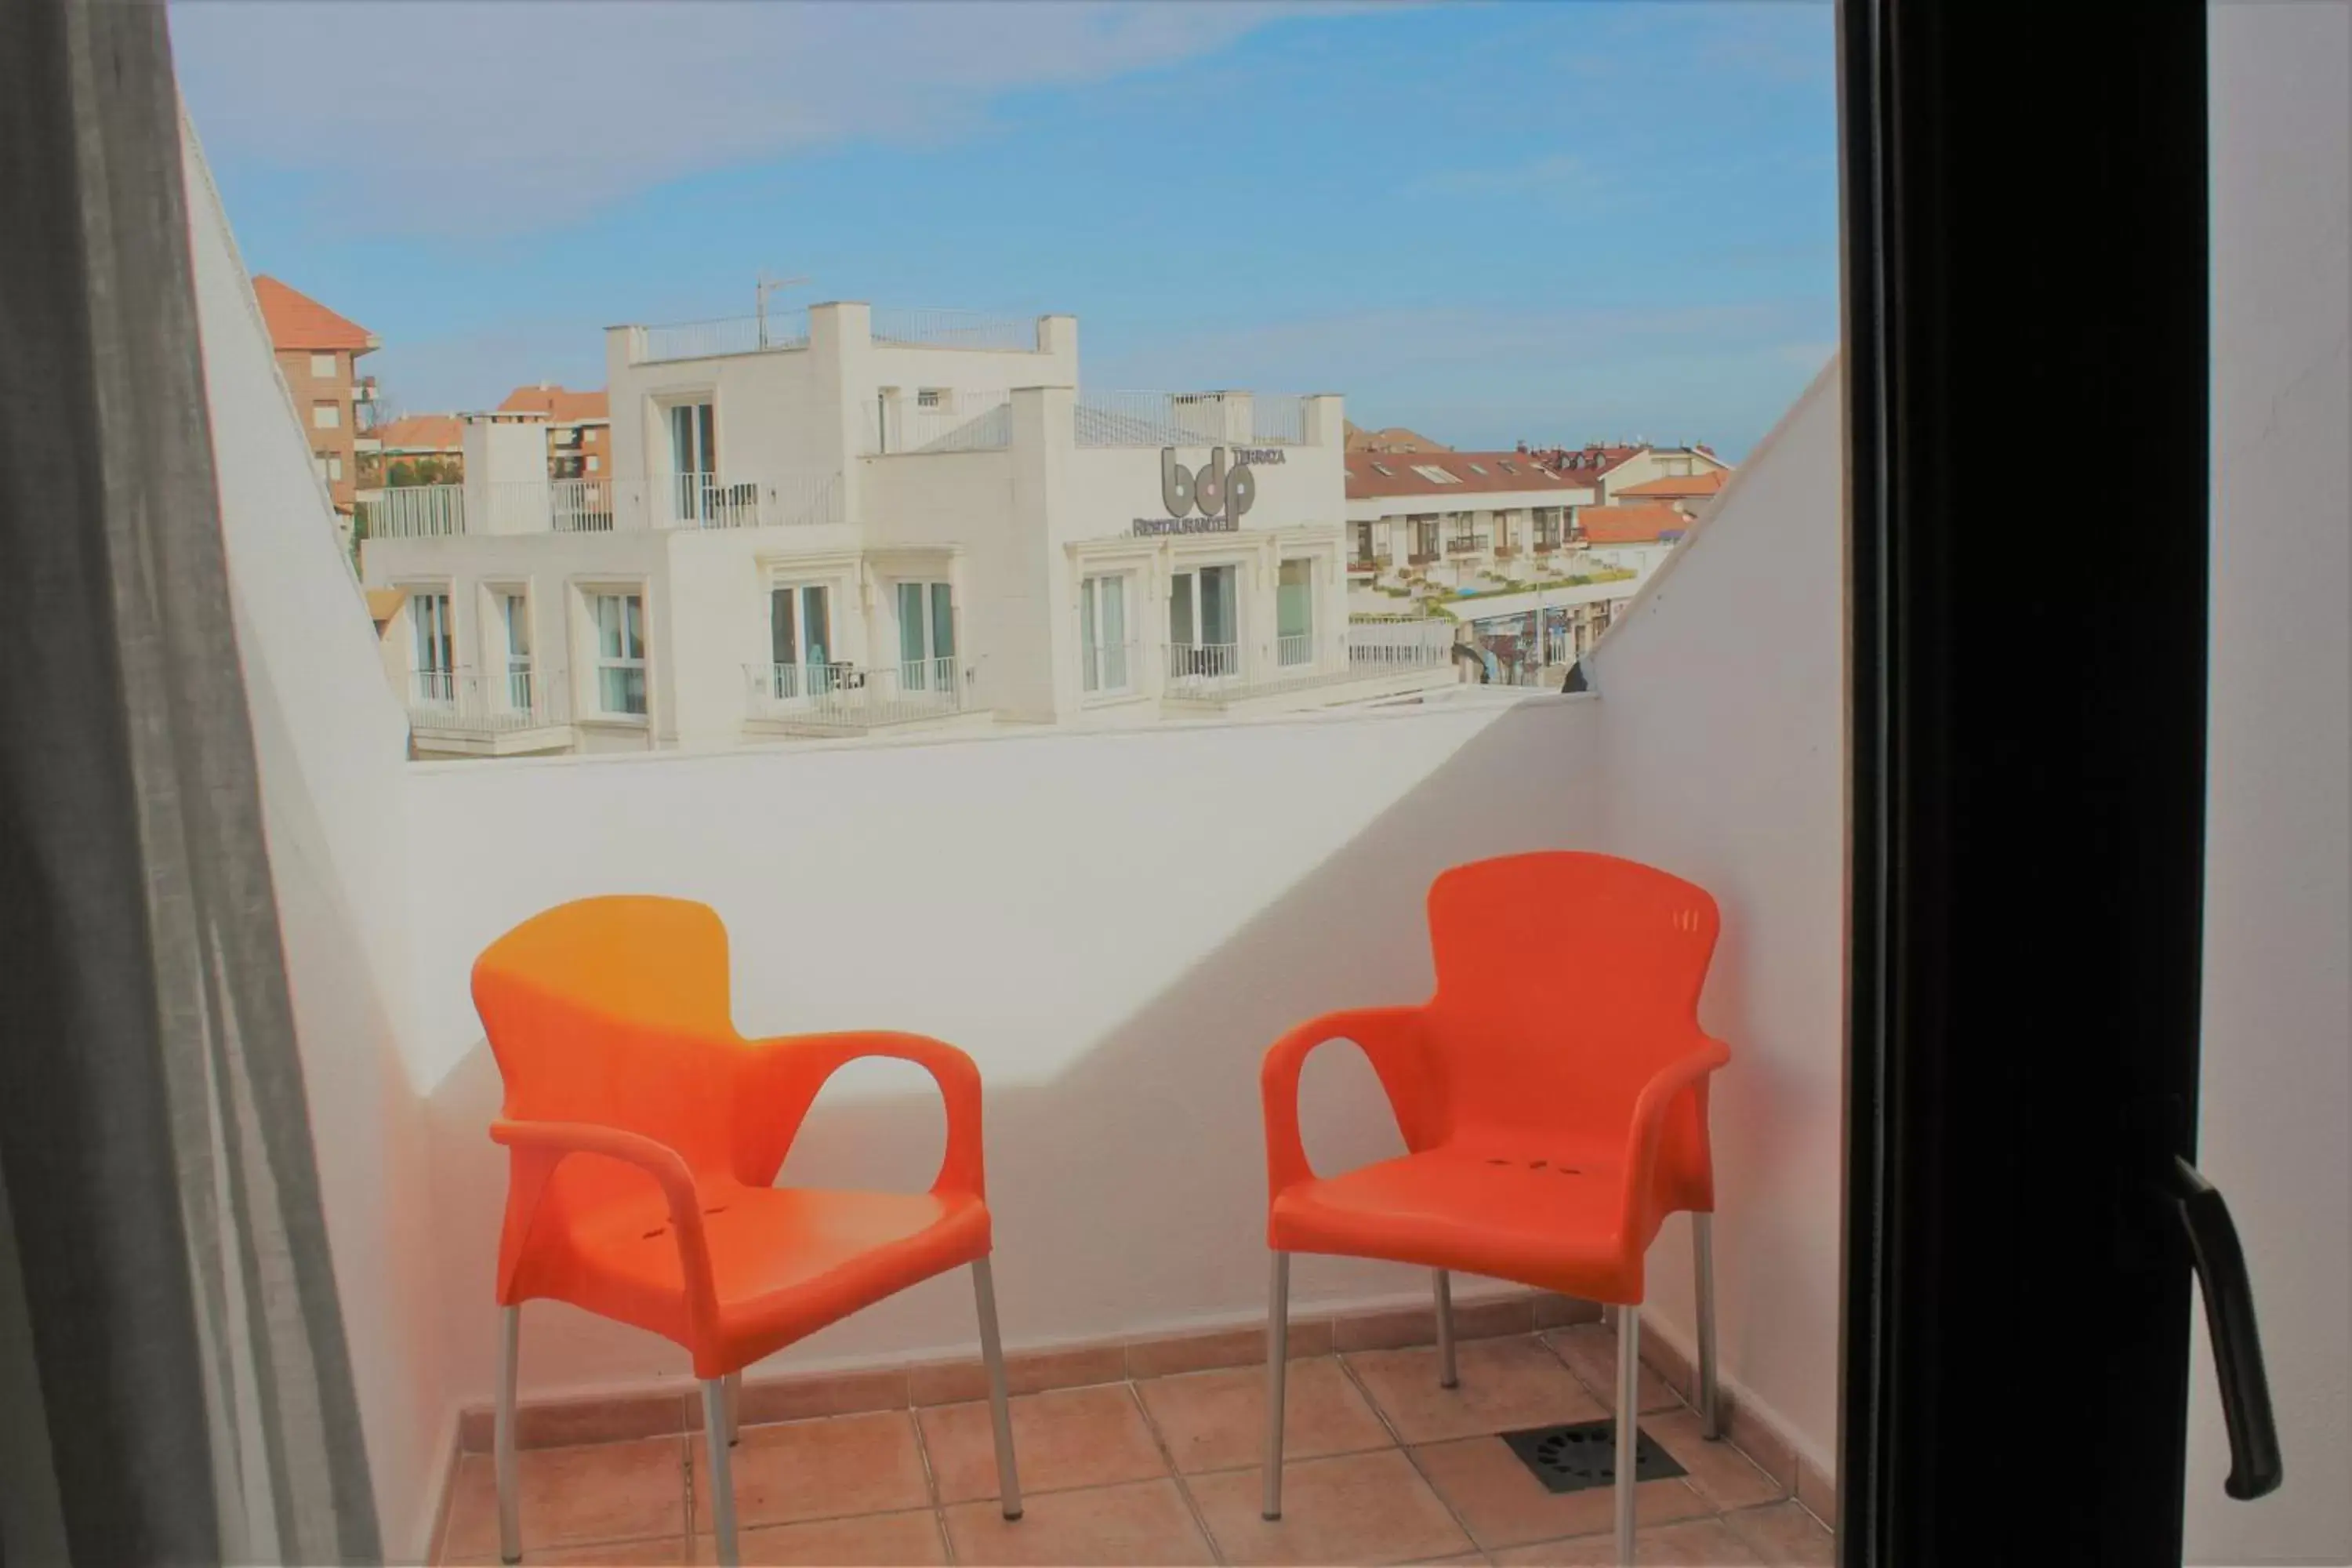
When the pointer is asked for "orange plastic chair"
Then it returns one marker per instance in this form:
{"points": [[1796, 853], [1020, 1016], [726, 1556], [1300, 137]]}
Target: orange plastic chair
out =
{"points": [[1552, 1098], [644, 1135]]}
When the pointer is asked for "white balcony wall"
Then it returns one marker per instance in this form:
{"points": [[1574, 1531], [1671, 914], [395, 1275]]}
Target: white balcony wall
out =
{"points": [[2277, 1089], [964, 502], [1114, 926], [1723, 691], [330, 740]]}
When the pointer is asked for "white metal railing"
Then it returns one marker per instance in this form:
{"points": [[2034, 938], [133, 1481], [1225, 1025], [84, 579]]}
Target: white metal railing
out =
{"points": [[1292, 651], [844, 697], [955, 329], [1107, 418], [963, 421], [713, 500], [460, 702], [785, 329], [1398, 644], [1192, 666], [1278, 420], [1109, 669], [417, 511]]}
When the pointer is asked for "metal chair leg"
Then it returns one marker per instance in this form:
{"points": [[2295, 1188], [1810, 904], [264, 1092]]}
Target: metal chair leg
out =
{"points": [[1442, 1286], [734, 1408], [1629, 1423], [1000, 1409], [1277, 1368], [722, 1470], [509, 1483], [1710, 1403]]}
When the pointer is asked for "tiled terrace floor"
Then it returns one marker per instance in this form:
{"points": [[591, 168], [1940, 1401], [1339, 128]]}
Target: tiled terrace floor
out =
{"points": [[1385, 1466]]}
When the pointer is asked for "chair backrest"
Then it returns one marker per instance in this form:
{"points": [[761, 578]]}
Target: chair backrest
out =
{"points": [[614, 1011], [1564, 982]]}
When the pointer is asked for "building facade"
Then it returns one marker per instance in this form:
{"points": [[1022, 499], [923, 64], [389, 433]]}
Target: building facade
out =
{"points": [[578, 428], [854, 522], [318, 355]]}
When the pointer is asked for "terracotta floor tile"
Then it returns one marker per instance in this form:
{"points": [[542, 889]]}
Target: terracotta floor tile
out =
{"points": [[608, 1491], [1359, 1508], [868, 1541], [1502, 1504], [1719, 1472], [1216, 1420], [1697, 1543], [824, 1468], [1590, 1349], [1785, 1534], [1462, 1558], [1505, 1384], [1140, 1522], [1068, 1437]]}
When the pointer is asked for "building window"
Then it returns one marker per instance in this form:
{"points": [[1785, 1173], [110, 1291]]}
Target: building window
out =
{"points": [[1104, 653], [1363, 533], [800, 641], [327, 416], [1547, 527], [1294, 613], [1204, 623], [595, 462], [436, 673], [514, 627], [620, 653], [931, 397], [926, 636], [694, 460], [1424, 539], [334, 466], [323, 367]]}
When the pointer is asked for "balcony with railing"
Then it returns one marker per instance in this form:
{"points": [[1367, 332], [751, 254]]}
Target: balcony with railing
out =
{"points": [[1368, 659], [595, 504], [460, 712], [1465, 544], [899, 326], [851, 700]]}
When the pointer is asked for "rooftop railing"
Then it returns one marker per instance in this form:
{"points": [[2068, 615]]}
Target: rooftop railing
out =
{"points": [[726, 335], [466, 705], [1109, 418], [599, 505], [842, 698], [899, 326]]}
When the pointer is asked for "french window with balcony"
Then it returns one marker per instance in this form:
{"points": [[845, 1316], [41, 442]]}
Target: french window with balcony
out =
{"points": [[620, 623], [1104, 652]]}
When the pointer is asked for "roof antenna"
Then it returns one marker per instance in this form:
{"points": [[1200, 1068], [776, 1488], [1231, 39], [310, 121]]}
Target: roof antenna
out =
{"points": [[761, 289]]}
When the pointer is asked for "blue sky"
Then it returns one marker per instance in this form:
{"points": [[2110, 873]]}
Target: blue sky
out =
{"points": [[1542, 221]]}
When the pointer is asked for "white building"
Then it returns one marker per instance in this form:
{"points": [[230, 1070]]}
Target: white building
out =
{"points": [[1499, 539], [844, 520]]}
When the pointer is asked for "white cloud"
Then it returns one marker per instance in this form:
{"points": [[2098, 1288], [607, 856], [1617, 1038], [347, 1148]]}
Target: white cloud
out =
{"points": [[505, 116]]}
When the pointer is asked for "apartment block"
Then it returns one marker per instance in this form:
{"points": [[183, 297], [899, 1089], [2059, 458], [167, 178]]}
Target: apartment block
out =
{"points": [[853, 521], [318, 351], [578, 428]]}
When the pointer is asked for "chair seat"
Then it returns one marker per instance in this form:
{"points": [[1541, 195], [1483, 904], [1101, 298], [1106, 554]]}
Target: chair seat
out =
{"points": [[785, 1261], [1545, 1216]]}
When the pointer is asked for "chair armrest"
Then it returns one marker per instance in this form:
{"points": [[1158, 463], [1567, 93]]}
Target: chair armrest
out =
{"points": [[537, 1148], [1395, 1039], [791, 1069], [1650, 1120]]}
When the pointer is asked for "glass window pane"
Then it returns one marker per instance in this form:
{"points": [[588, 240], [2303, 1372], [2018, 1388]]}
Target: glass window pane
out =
{"points": [[1217, 610], [1293, 610], [608, 625], [636, 618], [784, 637], [1090, 664], [943, 644], [910, 622], [820, 633], [1179, 609]]}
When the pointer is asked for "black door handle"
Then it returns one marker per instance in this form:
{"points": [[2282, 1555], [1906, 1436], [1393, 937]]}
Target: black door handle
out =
{"points": [[2230, 1322]]}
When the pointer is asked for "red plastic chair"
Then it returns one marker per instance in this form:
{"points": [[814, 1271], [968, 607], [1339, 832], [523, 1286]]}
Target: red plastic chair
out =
{"points": [[644, 1137], [1552, 1097]]}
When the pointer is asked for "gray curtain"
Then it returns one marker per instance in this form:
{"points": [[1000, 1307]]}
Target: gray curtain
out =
{"points": [[170, 1288]]}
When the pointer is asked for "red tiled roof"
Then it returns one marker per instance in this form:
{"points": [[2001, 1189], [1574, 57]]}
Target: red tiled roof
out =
{"points": [[1680, 486], [1630, 525], [423, 433], [1372, 475], [296, 320], [559, 406]]}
